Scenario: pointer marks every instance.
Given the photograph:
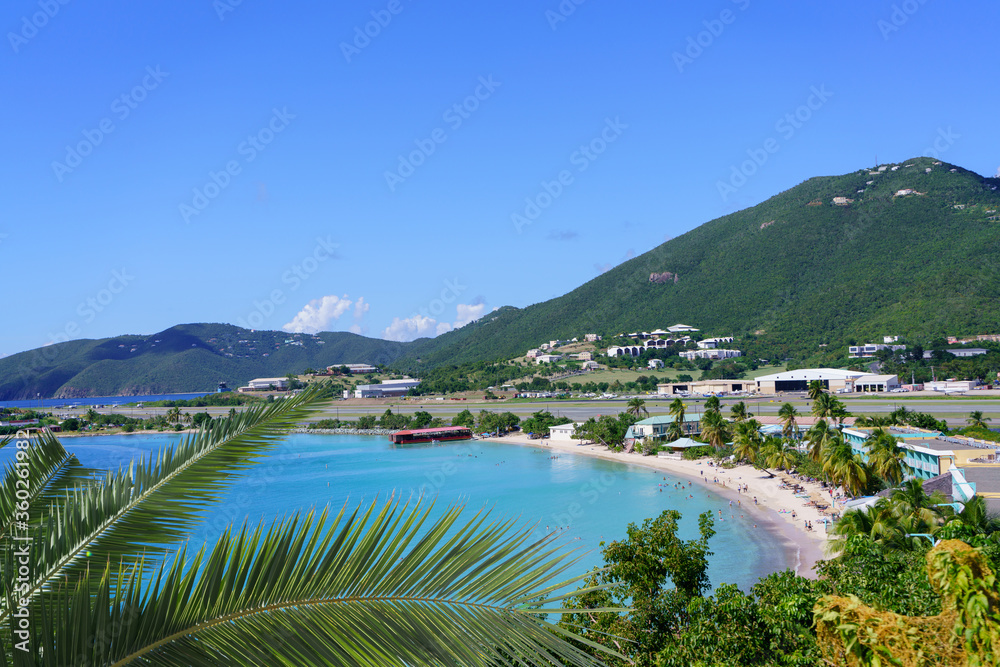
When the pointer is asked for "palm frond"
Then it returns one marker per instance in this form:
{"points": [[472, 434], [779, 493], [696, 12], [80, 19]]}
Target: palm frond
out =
{"points": [[48, 471], [372, 588], [138, 512]]}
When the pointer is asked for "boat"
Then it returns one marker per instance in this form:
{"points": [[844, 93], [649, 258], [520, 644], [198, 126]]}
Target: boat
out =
{"points": [[438, 434]]}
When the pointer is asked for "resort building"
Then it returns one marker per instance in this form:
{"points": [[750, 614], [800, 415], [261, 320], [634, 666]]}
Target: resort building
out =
{"points": [[712, 343], [681, 328], [929, 453], [654, 364], [966, 352], [584, 356], [691, 355], [547, 358], [831, 379], [592, 338], [658, 426], [354, 369], [869, 350], [388, 389], [532, 353]]}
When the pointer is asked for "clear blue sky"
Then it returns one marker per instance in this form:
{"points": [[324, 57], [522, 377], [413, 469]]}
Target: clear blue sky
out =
{"points": [[307, 231]]}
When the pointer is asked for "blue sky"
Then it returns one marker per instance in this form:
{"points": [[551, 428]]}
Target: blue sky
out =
{"points": [[272, 165]]}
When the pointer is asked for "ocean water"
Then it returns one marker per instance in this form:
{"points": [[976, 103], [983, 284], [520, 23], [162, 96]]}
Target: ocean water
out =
{"points": [[587, 500], [97, 400]]}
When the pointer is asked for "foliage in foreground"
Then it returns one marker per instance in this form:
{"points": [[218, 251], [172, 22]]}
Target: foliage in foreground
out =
{"points": [[105, 585], [966, 632]]}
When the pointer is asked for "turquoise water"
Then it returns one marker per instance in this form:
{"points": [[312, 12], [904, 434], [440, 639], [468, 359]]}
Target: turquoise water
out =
{"points": [[587, 499]]}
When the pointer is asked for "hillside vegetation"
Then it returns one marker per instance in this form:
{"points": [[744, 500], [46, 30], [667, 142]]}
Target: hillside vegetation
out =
{"points": [[791, 273], [910, 249], [184, 358]]}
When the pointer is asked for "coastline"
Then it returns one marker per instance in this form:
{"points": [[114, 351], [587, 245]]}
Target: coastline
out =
{"points": [[774, 505]]}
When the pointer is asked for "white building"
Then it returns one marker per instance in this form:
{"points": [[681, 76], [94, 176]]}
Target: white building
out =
{"points": [[547, 358], [654, 364], [389, 388], [965, 352], [691, 355], [681, 328], [869, 349], [265, 384], [563, 432], [592, 338], [831, 379], [355, 369], [589, 365], [532, 353], [712, 343]]}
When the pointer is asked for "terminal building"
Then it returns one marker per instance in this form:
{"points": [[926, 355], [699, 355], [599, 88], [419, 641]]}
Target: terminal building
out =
{"points": [[831, 379]]}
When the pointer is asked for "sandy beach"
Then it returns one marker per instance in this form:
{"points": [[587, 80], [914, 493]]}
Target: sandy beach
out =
{"points": [[773, 510]]}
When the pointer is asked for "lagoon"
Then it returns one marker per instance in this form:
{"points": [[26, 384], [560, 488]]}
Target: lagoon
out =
{"points": [[587, 500]]}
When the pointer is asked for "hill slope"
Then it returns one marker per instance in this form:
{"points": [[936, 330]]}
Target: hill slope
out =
{"points": [[189, 357], [790, 273], [906, 251]]}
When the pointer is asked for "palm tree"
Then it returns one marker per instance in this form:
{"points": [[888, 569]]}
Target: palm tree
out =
{"points": [[975, 518], [815, 390], [876, 523], [739, 412], [977, 420], [779, 453], [377, 585], [174, 414], [714, 428], [788, 413], [637, 407], [677, 410], [712, 404], [843, 466], [828, 407], [747, 441], [674, 431], [816, 438], [886, 457]]}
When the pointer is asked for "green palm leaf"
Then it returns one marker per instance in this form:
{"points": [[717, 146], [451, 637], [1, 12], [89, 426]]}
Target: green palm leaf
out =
{"points": [[50, 471], [156, 502], [374, 588]]}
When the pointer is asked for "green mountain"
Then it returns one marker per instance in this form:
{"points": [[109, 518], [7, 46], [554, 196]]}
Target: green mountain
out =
{"points": [[184, 358], [910, 250]]}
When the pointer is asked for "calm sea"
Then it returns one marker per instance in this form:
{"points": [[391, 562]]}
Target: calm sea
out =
{"points": [[588, 500], [97, 400]]}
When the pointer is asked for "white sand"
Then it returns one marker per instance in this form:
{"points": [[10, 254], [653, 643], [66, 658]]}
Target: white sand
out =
{"points": [[774, 505]]}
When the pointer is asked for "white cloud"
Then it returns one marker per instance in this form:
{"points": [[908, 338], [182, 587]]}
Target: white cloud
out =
{"points": [[360, 308], [417, 326], [998, 172], [469, 313], [317, 314], [409, 328]]}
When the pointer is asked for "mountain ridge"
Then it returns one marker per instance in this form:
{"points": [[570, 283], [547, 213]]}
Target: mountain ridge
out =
{"points": [[910, 248]]}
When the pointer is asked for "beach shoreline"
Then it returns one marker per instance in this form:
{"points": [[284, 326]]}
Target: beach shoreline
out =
{"points": [[773, 511]]}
